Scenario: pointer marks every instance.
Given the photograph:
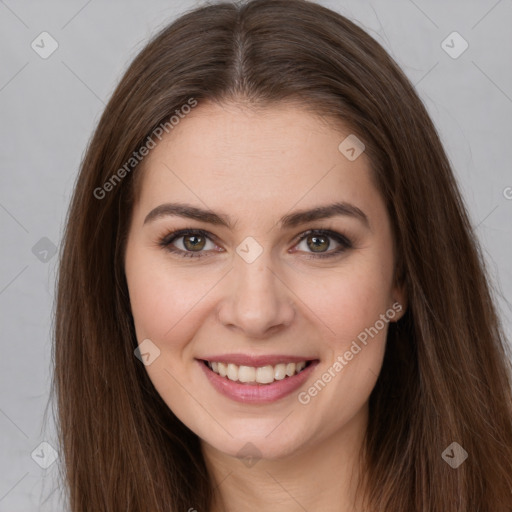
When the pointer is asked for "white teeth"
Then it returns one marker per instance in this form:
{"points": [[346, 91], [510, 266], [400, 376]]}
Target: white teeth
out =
{"points": [[222, 369], [261, 375], [246, 374], [279, 371], [265, 375], [290, 369], [232, 372]]}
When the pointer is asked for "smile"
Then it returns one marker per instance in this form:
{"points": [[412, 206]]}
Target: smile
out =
{"points": [[259, 375], [256, 380]]}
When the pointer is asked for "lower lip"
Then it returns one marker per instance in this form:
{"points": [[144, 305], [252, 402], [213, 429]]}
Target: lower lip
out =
{"points": [[257, 393]]}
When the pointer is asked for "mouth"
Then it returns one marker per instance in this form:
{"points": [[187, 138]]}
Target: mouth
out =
{"points": [[251, 375], [267, 380]]}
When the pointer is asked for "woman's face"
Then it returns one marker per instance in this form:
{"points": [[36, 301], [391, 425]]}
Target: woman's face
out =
{"points": [[261, 279]]}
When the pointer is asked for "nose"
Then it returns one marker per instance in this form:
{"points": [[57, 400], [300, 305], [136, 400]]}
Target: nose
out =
{"points": [[257, 302]]}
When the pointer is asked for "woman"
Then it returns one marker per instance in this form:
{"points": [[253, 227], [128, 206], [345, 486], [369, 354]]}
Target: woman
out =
{"points": [[270, 295]]}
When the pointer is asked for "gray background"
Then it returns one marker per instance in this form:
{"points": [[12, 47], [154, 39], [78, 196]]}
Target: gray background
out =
{"points": [[49, 108]]}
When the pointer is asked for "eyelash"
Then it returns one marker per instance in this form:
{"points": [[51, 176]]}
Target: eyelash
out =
{"points": [[166, 242]]}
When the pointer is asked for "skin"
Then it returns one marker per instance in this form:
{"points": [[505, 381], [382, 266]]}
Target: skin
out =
{"points": [[257, 165]]}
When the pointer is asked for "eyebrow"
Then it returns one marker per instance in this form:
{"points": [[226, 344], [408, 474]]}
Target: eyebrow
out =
{"points": [[287, 221]]}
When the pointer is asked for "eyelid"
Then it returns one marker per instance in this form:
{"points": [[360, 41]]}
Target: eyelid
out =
{"points": [[344, 242], [339, 237], [166, 241]]}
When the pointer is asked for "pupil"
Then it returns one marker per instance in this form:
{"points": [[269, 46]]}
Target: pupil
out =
{"points": [[321, 240], [194, 244]]}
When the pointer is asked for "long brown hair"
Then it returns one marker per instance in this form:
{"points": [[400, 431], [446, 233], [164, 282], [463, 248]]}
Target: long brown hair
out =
{"points": [[446, 373]]}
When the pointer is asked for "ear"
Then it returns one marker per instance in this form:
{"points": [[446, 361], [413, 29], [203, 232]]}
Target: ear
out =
{"points": [[398, 300]]}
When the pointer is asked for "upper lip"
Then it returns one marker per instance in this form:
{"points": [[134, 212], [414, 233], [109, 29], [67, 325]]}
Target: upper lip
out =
{"points": [[256, 361]]}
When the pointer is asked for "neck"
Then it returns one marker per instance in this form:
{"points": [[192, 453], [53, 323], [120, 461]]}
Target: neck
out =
{"points": [[322, 475]]}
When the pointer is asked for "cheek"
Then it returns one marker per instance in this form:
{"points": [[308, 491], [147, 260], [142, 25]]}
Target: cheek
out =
{"points": [[349, 299], [355, 311], [354, 306], [165, 302]]}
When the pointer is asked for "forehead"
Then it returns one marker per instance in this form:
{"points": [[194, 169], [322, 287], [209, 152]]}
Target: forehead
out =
{"points": [[253, 158]]}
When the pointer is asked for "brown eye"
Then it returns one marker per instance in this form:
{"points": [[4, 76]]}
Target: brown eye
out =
{"points": [[188, 243], [318, 243], [194, 242]]}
